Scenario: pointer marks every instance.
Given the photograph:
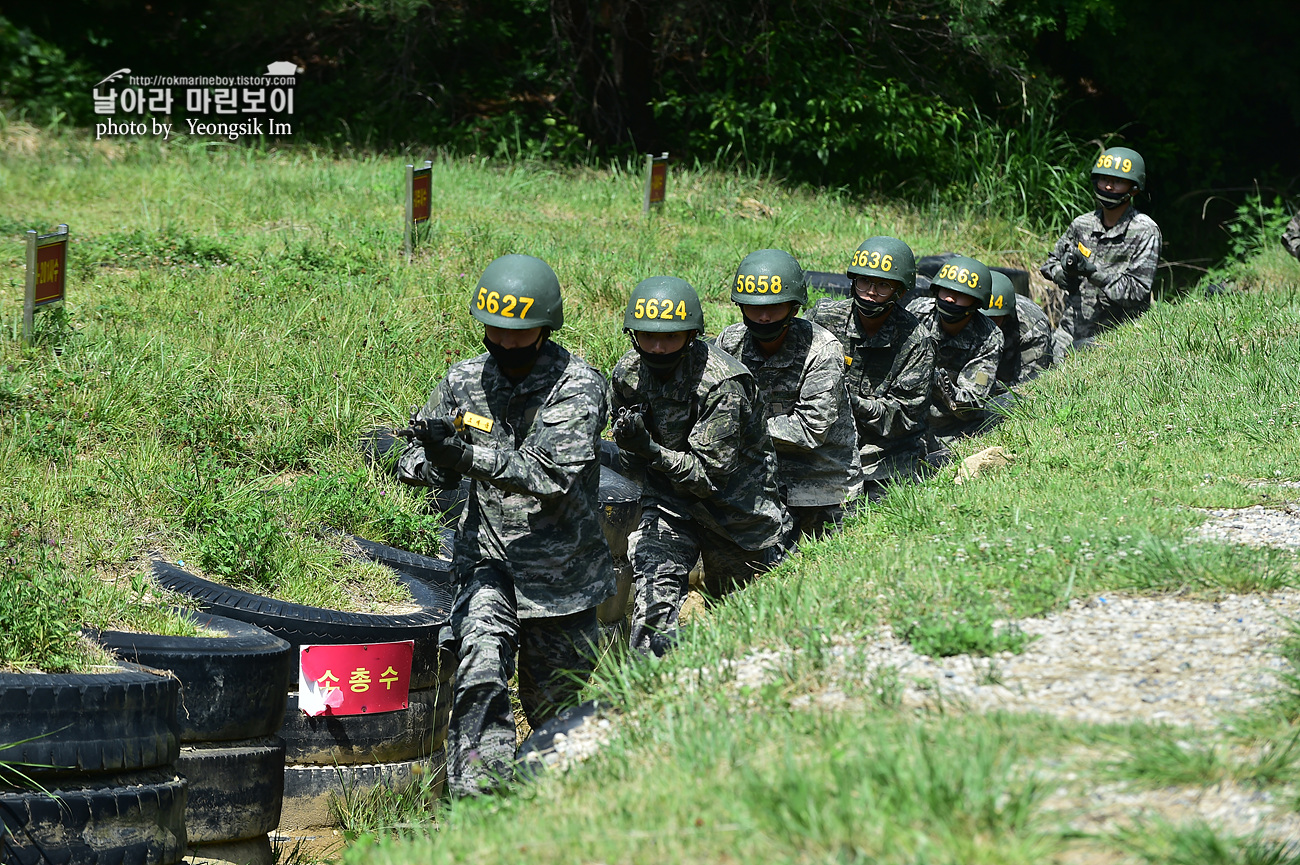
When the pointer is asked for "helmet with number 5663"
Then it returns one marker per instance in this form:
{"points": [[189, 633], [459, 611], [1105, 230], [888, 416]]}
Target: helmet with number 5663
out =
{"points": [[769, 276], [887, 258], [518, 292], [965, 276], [663, 304], [1122, 162]]}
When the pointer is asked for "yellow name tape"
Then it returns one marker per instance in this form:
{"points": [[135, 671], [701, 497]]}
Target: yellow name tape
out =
{"points": [[848, 361], [1087, 253], [476, 421]]}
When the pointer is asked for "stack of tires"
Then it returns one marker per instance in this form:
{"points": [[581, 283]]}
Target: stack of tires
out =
{"points": [[87, 768], [233, 687]]}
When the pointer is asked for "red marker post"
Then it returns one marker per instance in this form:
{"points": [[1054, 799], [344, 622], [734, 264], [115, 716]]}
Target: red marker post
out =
{"points": [[656, 180], [47, 274], [419, 201], [359, 679]]}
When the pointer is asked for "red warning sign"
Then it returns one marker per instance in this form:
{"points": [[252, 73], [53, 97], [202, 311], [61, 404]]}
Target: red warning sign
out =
{"points": [[51, 272], [359, 679]]}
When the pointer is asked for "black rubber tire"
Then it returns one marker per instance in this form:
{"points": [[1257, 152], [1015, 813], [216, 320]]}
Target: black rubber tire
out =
{"points": [[301, 625], [832, 283], [77, 724], [436, 573], [249, 851], [381, 449], [232, 687], [130, 819], [384, 737], [235, 789], [309, 789], [620, 510]]}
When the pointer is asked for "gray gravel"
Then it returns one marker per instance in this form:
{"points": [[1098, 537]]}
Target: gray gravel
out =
{"points": [[1257, 526]]}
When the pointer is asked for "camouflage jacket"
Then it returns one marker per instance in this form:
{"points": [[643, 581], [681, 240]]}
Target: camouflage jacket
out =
{"points": [[888, 379], [1291, 237], [1126, 257], [807, 411], [971, 360], [1027, 350], [532, 504], [717, 465]]}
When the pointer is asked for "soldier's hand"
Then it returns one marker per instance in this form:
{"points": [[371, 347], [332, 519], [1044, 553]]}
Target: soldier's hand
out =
{"points": [[1071, 262], [632, 436], [449, 453], [1086, 266], [429, 432]]}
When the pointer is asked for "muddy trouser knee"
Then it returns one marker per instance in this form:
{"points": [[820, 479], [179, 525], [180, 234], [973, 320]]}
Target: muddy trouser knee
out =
{"points": [[481, 733], [556, 656]]}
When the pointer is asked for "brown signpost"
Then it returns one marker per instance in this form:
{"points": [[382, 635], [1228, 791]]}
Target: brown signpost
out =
{"points": [[656, 180], [419, 201], [47, 274]]}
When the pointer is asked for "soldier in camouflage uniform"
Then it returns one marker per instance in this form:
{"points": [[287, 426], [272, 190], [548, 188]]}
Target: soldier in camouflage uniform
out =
{"points": [[690, 425], [1026, 333], [1291, 237], [1106, 260], [529, 560], [799, 367], [889, 360], [966, 357]]}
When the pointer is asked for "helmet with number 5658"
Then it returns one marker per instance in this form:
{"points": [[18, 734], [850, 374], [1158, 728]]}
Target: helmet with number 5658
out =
{"points": [[769, 276], [965, 276], [518, 292], [663, 304], [887, 258]]}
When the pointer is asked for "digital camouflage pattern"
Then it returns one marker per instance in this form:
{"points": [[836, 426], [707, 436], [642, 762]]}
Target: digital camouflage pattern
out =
{"points": [[1027, 349], [532, 504], [555, 656], [716, 465], [970, 360], [1126, 257], [888, 379], [1291, 237], [807, 412]]}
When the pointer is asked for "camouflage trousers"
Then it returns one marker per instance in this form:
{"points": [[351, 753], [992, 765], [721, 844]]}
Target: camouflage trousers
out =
{"points": [[815, 521], [555, 656], [661, 567]]}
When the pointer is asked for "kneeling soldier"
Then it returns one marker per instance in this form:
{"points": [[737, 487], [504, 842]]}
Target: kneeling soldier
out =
{"points": [[799, 367], [530, 561], [1026, 333], [689, 421]]}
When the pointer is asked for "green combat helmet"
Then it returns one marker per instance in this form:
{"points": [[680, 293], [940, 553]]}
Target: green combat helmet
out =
{"points": [[518, 292], [887, 258], [663, 304], [966, 276], [769, 276], [1002, 300], [1122, 162]]}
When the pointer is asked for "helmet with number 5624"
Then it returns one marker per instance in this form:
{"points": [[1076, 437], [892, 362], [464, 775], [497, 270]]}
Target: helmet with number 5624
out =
{"points": [[965, 276], [887, 258], [518, 292], [769, 276], [663, 304], [1122, 162]]}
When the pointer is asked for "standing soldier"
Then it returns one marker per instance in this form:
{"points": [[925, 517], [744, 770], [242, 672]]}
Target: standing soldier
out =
{"points": [[799, 367], [690, 426], [529, 560], [1106, 260], [1026, 333], [889, 359], [1291, 236], [966, 357]]}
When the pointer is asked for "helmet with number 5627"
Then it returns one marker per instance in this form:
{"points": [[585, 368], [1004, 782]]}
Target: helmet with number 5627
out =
{"points": [[887, 258], [518, 292], [965, 276], [1122, 162], [769, 276], [663, 304]]}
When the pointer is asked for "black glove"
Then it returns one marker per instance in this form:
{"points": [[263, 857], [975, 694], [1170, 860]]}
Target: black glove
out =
{"points": [[1076, 264], [449, 453], [428, 432], [632, 436]]}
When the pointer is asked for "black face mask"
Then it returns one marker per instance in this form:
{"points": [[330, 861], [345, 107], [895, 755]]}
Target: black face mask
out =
{"points": [[522, 357], [662, 365], [1110, 199], [769, 332], [872, 309], [952, 313]]}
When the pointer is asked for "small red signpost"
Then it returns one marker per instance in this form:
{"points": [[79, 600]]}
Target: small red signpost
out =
{"points": [[656, 180], [419, 201], [357, 679], [47, 274]]}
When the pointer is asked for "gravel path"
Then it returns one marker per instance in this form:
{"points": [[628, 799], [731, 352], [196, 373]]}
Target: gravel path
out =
{"points": [[1257, 526]]}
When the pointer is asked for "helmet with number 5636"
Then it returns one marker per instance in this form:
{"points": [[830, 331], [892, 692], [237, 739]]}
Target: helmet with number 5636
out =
{"points": [[887, 258], [965, 276], [769, 276], [518, 292], [1122, 162], [663, 304]]}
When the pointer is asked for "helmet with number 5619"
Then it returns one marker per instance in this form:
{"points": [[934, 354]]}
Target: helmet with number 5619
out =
{"points": [[887, 258], [769, 276], [518, 292], [663, 304], [965, 276], [1122, 162]]}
